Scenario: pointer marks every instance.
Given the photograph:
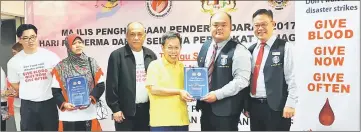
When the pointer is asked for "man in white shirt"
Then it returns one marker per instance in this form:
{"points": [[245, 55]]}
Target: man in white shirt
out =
{"points": [[273, 90], [29, 73]]}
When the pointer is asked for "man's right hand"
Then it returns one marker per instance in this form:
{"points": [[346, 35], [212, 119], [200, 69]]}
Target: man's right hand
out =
{"points": [[186, 96], [118, 116]]}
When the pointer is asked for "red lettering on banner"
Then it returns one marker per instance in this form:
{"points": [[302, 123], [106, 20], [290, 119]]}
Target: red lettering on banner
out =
{"points": [[186, 57], [329, 50], [338, 77], [329, 56], [330, 34], [329, 87]]}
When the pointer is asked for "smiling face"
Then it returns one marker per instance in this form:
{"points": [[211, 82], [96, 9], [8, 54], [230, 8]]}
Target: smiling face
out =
{"points": [[171, 50], [263, 27]]}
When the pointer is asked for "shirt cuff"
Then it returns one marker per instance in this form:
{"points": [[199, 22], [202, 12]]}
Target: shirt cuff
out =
{"points": [[115, 108], [219, 94], [291, 103]]}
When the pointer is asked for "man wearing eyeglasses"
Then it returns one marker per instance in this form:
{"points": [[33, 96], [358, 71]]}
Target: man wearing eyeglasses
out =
{"points": [[29, 73], [273, 88]]}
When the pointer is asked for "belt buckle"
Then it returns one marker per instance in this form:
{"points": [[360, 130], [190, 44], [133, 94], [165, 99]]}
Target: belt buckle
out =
{"points": [[262, 100]]}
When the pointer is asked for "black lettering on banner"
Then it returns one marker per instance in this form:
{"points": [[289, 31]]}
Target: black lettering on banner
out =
{"points": [[201, 39], [91, 42], [110, 31], [242, 27], [66, 32], [287, 37], [153, 30], [244, 121], [190, 28], [51, 43], [194, 119], [243, 38], [83, 32], [286, 26], [121, 41], [158, 41]]}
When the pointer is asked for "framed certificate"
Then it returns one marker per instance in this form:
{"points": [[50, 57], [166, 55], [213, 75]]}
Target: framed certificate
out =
{"points": [[196, 81], [78, 91]]}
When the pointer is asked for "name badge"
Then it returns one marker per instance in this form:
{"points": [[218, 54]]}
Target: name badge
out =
{"points": [[276, 53]]}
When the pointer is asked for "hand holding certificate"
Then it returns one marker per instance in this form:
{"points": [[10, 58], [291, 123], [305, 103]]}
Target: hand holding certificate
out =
{"points": [[78, 91], [196, 81]]}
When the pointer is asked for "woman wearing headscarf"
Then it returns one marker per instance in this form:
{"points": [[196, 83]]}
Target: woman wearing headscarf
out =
{"points": [[77, 64]]}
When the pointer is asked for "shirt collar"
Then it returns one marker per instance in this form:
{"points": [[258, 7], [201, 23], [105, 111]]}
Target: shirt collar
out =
{"points": [[269, 42], [221, 44], [166, 63], [128, 51]]}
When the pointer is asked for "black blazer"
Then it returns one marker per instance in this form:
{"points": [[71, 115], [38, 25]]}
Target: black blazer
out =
{"points": [[121, 79]]}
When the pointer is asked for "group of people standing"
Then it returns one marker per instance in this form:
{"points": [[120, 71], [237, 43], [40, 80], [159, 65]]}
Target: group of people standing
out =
{"points": [[146, 93]]}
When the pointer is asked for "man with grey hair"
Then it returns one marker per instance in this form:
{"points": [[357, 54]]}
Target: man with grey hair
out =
{"points": [[126, 94]]}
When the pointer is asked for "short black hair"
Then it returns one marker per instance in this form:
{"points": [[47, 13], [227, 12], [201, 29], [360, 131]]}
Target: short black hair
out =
{"points": [[23, 27], [171, 35], [269, 13], [17, 46], [229, 16]]}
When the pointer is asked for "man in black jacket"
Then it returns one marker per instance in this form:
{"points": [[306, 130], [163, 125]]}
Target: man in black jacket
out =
{"points": [[126, 94]]}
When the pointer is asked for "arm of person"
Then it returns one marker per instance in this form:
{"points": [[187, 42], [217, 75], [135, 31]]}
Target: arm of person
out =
{"points": [[153, 77], [289, 72], [241, 71], [57, 91], [13, 76], [163, 91], [112, 83], [3, 82], [99, 88]]}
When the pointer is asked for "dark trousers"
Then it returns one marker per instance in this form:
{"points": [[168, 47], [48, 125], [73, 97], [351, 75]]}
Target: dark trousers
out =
{"points": [[90, 125], [3, 122], [212, 122], [139, 122], [170, 128], [263, 118], [39, 116], [77, 126]]}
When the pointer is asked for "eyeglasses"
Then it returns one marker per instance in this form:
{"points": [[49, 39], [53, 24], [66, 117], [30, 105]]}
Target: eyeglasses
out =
{"points": [[172, 48], [27, 39], [263, 25]]}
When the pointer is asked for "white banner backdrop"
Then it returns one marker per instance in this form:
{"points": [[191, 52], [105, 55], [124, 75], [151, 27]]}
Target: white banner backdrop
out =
{"points": [[103, 25], [328, 52]]}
